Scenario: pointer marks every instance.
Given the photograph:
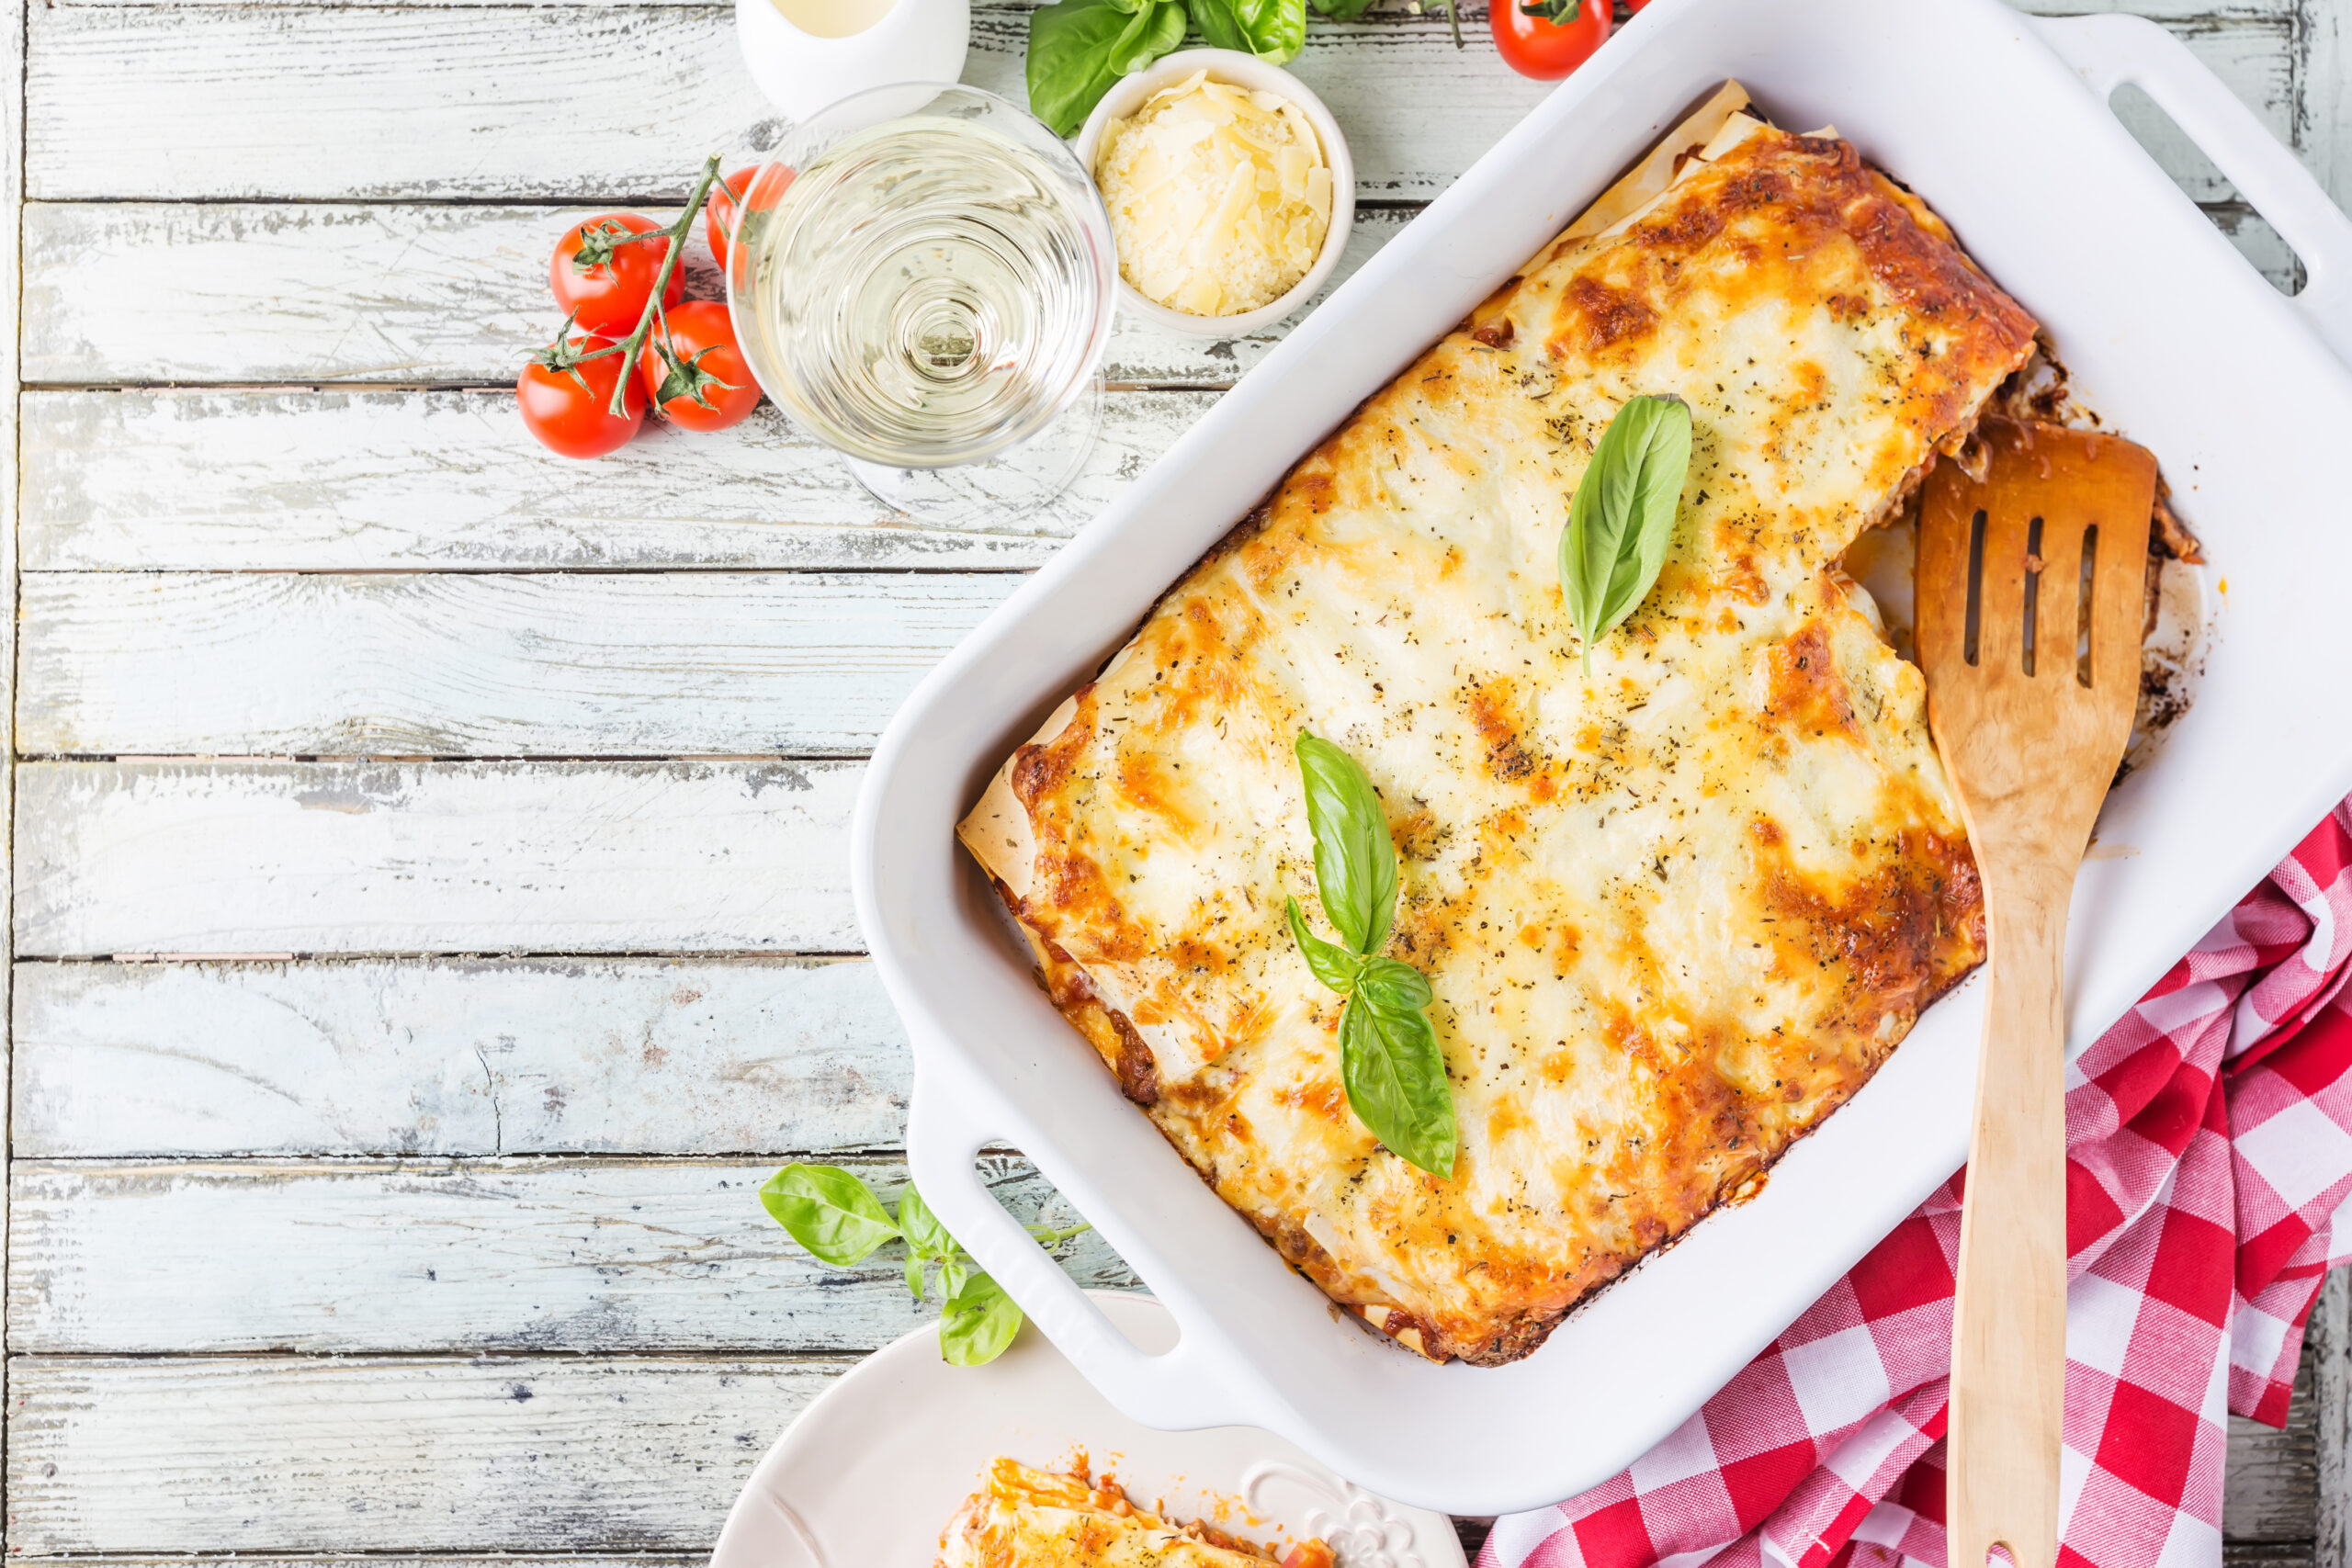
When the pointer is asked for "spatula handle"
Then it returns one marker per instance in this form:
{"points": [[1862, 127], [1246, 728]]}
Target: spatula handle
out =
{"points": [[2009, 1363]]}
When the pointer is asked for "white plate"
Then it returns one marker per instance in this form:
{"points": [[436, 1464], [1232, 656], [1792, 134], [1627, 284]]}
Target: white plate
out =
{"points": [[871, 1472], [2001, 122]]}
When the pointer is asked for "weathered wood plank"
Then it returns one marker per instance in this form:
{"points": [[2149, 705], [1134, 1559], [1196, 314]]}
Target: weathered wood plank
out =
{"points": [[455, 1056], [366, 482], [12, 210], [243, 858], [636, 664], [335, 103], [136, 293], [389, 1454], [2323, 103], [2328, 1353], [2270, 1487], [602, 1256]]}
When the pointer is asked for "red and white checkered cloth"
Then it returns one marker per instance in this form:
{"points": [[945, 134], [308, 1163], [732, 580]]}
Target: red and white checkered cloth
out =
{"points": [[2208, 1175]]}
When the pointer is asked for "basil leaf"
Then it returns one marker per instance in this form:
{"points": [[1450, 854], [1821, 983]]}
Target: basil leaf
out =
{"points": [[915, 1265], [1274, 30], [1622, 516], [1392, 986], [1397, 1085], [1355, 861], [1343, 10], [1078, 48], [1331, 964], [979, 1322], [926, 1237], [827, 1210]]}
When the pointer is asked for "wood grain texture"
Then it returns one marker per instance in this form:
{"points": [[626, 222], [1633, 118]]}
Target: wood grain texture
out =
{"points": [[12, 208], [602, 1256], [474, 857], [455, 1056], [369, 481], [214, 102], [662, 664], [2271, 1480], [2328, 1355], [389, 1453], [133, 293]]}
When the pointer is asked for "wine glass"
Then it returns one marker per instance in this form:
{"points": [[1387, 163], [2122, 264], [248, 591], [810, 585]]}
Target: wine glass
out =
{"points": [[922, 279]]}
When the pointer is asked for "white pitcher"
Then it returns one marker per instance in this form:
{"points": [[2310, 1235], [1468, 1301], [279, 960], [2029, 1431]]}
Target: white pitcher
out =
{"points": [[807, 54]]}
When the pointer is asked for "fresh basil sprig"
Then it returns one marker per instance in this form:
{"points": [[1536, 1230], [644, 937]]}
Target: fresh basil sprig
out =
{"points": [[837, 1219], [1622, 516], [1080, 48], [1274, 30], [1389, 1059]]}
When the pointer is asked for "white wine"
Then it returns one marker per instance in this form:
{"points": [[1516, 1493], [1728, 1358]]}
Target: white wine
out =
{"points": [[928, 291]]}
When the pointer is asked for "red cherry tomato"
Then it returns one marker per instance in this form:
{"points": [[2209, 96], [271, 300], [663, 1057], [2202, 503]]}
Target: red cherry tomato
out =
{"points": [[602, 277], [1635, 4], [708, 385], [719, 212], [565, 399], [1548, 39]]}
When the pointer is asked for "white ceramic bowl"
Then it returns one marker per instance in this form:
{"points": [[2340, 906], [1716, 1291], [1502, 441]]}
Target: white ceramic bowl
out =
{"points": [[1230, 65]]}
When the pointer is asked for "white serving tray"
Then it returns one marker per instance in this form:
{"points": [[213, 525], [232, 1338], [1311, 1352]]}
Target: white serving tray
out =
{"points": [[2002, 124]]}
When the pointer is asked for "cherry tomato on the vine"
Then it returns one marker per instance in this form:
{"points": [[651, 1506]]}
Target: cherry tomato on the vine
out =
{"points": [[1548, 39], [602, 275], [719, 212], [696, 379], [566, 400]]}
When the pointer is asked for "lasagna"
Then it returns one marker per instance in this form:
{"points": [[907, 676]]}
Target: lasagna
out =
{"points": [[1674, 912], [1035, 1518]]}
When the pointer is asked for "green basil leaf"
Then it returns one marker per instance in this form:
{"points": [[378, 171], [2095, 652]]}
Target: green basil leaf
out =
{"points": [[915, 1264], [827, 1210], [1622, 517], [1331, 964], [1392, 986], [1078, 48], [1356, 860], [1274, 30], [926, 1237], [979, 1322], [1397, 1085], [1343, 10]]}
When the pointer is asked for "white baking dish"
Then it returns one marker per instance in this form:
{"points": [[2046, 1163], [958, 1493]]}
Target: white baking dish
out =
{"points": [[2002, 124]]}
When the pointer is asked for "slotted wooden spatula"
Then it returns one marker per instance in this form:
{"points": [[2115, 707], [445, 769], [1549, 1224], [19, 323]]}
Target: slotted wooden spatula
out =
{"points": [[2030, 589]]}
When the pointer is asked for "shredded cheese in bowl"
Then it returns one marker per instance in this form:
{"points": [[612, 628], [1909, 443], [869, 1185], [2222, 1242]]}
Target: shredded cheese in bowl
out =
{"points": [[1219, 196]]}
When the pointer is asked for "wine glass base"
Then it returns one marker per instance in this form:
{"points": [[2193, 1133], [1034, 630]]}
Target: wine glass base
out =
{"points": [[999, 489]]}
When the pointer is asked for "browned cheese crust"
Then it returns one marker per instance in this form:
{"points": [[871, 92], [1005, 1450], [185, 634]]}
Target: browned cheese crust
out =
{"points": [[1674, 913]]}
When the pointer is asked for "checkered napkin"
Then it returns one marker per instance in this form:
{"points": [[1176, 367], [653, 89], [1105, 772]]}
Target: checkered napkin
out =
{"points": [[2209, 1163]]}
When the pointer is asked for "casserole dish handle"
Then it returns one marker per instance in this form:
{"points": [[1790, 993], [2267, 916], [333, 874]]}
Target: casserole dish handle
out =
{"points": [[2109, 51], [952, 1118]]}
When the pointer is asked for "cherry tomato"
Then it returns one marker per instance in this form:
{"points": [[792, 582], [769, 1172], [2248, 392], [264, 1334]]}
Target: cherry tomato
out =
{"points": [[702, 382], [1548, 39], [565, 399], [719, 211], [1635, 4], [602, 276]]}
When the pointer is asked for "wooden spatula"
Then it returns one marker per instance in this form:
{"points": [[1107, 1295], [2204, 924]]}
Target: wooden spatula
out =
{"points": [[2032, 715]]}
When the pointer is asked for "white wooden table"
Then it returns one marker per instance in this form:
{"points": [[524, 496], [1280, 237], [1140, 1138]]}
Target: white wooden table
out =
{"points": [[430, 911]]}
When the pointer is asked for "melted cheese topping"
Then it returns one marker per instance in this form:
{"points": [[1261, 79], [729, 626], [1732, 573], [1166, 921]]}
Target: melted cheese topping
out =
{"points": [[1219, 197], [1035, 1518], [1675, 913]]}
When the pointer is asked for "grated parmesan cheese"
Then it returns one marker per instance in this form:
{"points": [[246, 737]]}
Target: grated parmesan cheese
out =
{"points": [[1219, 196]]}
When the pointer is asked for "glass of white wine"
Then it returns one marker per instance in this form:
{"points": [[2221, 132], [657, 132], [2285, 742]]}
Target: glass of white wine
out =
{"points": [[922, 279]]}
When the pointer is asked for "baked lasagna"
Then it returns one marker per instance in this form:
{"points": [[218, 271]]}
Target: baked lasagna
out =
{"points": [[1673, 912], [1037, 1518]]}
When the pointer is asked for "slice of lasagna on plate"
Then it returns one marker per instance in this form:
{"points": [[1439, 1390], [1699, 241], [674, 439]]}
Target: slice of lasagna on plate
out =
{"points": [[1674, 911], [1040, 1519]]}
